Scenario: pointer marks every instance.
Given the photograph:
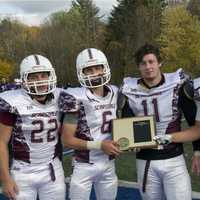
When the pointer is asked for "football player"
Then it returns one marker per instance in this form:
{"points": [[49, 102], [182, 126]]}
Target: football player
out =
{"points": [[190, 134], [162, 172], [87, 128], [29, 117]]}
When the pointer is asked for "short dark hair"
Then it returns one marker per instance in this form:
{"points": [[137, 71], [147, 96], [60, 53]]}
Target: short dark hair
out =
{"points": [[144, 50]]}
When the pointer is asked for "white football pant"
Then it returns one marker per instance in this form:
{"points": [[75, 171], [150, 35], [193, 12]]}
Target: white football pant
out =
{"points": [[33, 180], [167, 179], [101, 175]]}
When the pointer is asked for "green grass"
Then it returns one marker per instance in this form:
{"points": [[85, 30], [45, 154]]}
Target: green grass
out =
{"points": [[126, 168]]}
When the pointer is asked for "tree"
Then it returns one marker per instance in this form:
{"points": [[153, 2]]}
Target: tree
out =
{"points": [[6, 69], [90, 24], [179, 40], [131, 24], [17, 41], [194, 7], [66, 33]]}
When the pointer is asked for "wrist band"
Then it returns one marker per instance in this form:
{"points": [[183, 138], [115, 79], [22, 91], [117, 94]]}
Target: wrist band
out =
{"points": [[93, 145], [196, 153]]}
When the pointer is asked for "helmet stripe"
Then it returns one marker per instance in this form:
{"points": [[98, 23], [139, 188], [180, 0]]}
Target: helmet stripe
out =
{"points": [[90, 53], [37, 61]]}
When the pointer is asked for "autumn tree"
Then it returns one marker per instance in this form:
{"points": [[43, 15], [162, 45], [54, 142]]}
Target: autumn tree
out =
{"points": [[6, 69], [179, 40], [66, 33], [17, 41], [194, 7]]}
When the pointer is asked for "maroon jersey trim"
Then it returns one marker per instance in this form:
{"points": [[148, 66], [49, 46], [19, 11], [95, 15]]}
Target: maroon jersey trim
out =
{"points": [[7, 118]]}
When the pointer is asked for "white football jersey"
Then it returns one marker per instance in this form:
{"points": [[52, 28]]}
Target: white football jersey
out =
{"points": [[161, 101], [35, 133], [95, 114], [197, 96]]}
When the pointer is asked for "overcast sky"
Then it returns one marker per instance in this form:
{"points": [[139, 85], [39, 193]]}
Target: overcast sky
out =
{"points": [[33, 12]]}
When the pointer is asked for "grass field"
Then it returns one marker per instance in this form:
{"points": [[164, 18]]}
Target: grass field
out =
{"points": [[126, 168]]}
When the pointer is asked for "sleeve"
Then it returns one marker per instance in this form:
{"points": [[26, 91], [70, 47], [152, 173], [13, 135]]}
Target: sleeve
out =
{"points": [[197, 97], [7, 118], [5, 106], [189, 108], [198, 111], [7, 114], [183, 76], [123, 108], [186, 102], [196, 144], [67, 103]]}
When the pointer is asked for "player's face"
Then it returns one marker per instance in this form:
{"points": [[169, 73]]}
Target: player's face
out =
{"points": [[39, 76], [93, 70], [150, 67]]}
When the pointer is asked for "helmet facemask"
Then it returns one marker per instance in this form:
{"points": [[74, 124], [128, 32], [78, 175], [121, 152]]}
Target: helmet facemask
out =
{"points": [[32, 87], [94, 80]]}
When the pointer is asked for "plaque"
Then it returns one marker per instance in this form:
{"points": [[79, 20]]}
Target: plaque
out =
{"points": [[134, 132]]}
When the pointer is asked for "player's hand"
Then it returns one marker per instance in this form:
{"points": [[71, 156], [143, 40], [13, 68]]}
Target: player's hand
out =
{"points": [[163, 139], [110, 147], [9, 188], [196, 162]]}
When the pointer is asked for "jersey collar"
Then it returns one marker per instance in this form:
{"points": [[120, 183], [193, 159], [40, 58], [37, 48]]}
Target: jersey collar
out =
{"points": [[142, 82]]}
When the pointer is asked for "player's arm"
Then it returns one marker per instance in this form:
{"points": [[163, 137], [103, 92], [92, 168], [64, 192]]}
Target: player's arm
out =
{"points": [[190, 134], [9, 187], [190, 112], [196, 145], [187, 135], [69, 140], [189, 108], [69, 107], [193, 117], [68, 132], [4, 158]]}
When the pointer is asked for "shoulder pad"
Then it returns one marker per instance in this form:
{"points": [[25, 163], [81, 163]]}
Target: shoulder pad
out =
{"points": [[197, 89], [183, 76], [188, 89], [67, 103]]}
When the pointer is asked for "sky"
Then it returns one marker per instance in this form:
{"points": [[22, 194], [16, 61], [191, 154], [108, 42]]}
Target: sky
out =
{"points": [[33, 12]]}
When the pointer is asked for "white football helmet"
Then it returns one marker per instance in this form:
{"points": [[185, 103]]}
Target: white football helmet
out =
{"points": [[34, 64], [91, 57]]}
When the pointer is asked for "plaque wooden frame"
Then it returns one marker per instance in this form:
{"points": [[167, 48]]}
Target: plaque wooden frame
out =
{"points": [[134, 132]]}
